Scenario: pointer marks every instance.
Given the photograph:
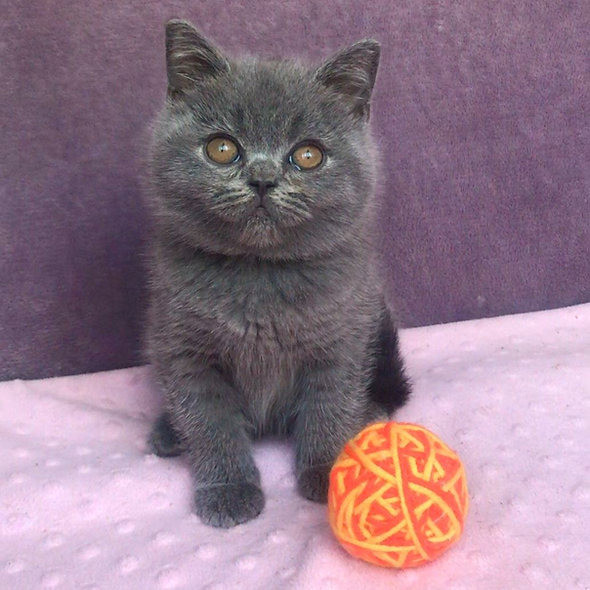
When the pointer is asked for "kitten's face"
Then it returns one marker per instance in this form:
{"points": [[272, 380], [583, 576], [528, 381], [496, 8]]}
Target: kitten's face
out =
{"points": [[260, 158]]}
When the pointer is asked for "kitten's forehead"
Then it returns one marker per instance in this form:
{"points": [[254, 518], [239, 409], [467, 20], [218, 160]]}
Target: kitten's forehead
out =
{"points": [[267, 104]]}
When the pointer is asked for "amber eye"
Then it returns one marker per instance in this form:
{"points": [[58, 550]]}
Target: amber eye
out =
{"points": [[222, 150], [306, 157]]}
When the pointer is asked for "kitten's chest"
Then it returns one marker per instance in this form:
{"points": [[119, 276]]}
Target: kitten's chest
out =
{"points": [[263, 368], [263, 312], [261, 338], [261, 328], [264, 319], [265, 379]]}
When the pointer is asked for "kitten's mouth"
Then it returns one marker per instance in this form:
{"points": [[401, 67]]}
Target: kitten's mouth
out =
{"points": [[260, 229], [262, 216], [261, 224], [262, 211]]}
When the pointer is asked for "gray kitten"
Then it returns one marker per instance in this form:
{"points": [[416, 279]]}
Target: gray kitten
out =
{"points": [[267, 312]]}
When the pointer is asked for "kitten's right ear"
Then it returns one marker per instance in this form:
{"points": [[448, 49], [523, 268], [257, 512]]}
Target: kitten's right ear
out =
{"points": [[190, 58]]}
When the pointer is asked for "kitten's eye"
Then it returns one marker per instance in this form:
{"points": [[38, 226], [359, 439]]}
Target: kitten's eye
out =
{"points": [[222, 150], [306, 157]]}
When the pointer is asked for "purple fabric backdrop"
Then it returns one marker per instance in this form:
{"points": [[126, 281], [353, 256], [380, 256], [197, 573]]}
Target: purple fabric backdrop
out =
{"points": [[479, 107]]}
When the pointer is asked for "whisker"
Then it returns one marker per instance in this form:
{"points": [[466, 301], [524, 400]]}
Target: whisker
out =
{"points": [[227, 195], [244, 199], [294, 206], [300, 197], [225, 192], [295, 202], [232, 200]]}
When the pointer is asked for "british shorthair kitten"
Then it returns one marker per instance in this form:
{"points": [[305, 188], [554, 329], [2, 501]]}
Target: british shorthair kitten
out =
{"points": [[267, 311]]}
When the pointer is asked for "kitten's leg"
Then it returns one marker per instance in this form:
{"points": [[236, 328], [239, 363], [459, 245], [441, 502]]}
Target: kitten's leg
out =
{"points": [[203, 411], [163, 441], [332, 411], [390, 387]]}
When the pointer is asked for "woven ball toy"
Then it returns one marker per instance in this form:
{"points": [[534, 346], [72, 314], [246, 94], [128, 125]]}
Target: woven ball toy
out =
{"points": [[397, 496]]}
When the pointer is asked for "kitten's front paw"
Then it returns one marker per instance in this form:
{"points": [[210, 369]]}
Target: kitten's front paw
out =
{"points": [[230, 504], [163, 440], [313, 483]]}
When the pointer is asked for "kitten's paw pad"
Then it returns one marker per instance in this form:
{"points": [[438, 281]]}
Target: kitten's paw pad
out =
{"points": [[313, 483], [228, 505], [163, 441]]}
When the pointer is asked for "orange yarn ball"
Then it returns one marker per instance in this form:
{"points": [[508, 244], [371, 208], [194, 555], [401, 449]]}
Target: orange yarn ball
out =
{"points": [[398, 495]]}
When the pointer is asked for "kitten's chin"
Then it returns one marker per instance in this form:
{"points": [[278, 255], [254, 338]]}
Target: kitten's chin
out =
{"points": [[260, 231]]}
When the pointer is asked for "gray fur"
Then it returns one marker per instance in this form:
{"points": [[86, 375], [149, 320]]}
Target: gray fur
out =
{"points": [[265, 320]]}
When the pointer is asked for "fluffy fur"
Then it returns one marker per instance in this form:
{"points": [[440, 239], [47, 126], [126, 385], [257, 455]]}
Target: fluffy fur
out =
{"points": [[267, 313]]}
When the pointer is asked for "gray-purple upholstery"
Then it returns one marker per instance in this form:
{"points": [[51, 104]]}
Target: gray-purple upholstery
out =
{"points": [[479, 108]]}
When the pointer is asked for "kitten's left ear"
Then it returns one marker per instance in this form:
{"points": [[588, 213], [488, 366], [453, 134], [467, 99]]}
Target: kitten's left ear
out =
{"points": [[351, 73]]}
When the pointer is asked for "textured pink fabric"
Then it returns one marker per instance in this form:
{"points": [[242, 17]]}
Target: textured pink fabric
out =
{"points": [[83, 506]]}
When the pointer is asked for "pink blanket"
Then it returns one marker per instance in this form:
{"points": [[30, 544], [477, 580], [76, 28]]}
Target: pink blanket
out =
{"points": [[82, 504]]}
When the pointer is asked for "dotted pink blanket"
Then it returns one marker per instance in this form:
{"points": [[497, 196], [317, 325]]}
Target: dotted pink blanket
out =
{"points": [[82, 504]]}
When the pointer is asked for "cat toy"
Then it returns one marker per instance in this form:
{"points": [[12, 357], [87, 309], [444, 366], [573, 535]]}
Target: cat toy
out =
{"points": [[397, 496]]}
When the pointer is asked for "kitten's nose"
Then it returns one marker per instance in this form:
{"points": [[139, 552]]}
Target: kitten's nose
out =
{"points": [[261, 186]]}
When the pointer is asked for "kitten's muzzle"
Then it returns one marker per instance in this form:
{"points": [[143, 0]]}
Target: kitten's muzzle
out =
{"points": [[261, 187], [262, 175]]}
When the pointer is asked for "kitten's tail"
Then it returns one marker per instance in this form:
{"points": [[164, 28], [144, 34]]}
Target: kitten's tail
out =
{"points": [[390, 387]]}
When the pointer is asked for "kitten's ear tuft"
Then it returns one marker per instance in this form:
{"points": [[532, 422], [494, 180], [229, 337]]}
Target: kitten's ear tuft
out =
{"points": [[351, 74], [190, 58]]}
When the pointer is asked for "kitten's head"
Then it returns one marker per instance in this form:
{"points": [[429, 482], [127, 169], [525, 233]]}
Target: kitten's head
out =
{"points": [[265, 158]]}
